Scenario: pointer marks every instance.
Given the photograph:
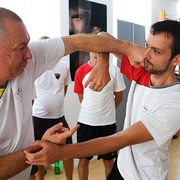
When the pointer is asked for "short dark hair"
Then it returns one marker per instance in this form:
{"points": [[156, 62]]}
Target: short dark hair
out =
{"points": [[171, 28]]}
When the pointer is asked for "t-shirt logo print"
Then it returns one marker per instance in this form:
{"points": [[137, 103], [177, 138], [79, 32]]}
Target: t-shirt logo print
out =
{"points": [[18, 94], [57, 75]]}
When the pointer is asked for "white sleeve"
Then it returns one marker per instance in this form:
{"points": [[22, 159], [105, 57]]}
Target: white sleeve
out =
{"points": [[46, 54]]}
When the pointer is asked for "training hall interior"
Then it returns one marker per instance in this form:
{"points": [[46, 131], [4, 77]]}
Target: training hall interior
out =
{"points": [[128, 20]]}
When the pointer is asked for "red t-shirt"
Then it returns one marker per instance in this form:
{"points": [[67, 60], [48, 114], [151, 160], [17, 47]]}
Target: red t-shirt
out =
{"points": [[79, 76], [137, 74]]}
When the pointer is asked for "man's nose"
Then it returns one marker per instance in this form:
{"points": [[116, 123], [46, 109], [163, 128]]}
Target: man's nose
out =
{"points": [[28, 54]]}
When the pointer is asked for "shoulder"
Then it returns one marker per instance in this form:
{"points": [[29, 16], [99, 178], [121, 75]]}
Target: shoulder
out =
{"points": [[83, 68]]}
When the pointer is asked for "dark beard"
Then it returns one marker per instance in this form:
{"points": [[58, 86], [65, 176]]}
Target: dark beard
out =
{"points": [[153, 70]]}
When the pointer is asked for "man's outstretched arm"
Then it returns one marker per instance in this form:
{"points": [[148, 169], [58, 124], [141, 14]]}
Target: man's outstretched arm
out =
{"points": [[51, 152], [99, 44]]}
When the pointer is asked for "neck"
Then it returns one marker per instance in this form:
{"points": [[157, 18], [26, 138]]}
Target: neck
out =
{"points": [[156, 80], [3, 85]]}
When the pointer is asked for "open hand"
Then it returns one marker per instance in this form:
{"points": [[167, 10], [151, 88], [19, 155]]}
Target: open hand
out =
{"points": [[58, 134]]}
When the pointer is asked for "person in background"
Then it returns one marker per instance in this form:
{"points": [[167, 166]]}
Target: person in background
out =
{"points": [[152, 113], [21, 63], [97, 116], [48, 107]]}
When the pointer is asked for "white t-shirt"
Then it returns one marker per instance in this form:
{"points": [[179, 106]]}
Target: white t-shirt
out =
{"points": [[98, 108], [50, 92], [159, 110], [34, 95], [16, 128]]}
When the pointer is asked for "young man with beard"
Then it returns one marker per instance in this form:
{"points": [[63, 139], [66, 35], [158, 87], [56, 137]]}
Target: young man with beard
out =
{"points": [[152, 113]]}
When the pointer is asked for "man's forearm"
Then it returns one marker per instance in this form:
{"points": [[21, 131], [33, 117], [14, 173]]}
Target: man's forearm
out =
{"points": [[89, 148], [12, 164], [94, 43]]}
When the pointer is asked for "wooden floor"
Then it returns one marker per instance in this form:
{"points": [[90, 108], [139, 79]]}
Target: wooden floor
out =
{"points": [[97, 169], [96, 172]]}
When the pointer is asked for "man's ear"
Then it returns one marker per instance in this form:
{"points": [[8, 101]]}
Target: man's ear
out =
{"points": [[176, 60]]}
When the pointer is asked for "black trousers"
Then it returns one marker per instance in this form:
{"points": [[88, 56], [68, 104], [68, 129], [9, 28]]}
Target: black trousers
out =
{"points": [[114, 174]]}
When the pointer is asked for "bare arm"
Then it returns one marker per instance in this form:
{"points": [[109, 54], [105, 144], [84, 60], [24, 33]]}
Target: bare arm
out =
{"points": [[118, 97], [80, 96], [133, 51], [103, 43], [65, 89], [135, 134], [93, 43], [12, 164]]}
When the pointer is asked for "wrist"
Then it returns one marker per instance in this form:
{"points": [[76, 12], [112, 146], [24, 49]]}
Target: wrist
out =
{"points": [[103, 58], [23, 156], [127, 45]]}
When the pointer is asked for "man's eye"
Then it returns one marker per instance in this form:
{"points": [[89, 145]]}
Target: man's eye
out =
{"points": [[21, 48], [156, 51], [76, 17]]}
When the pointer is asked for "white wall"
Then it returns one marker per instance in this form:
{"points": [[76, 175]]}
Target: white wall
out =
{"points": [[170, 6], [138, 12], [41, 17]]}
